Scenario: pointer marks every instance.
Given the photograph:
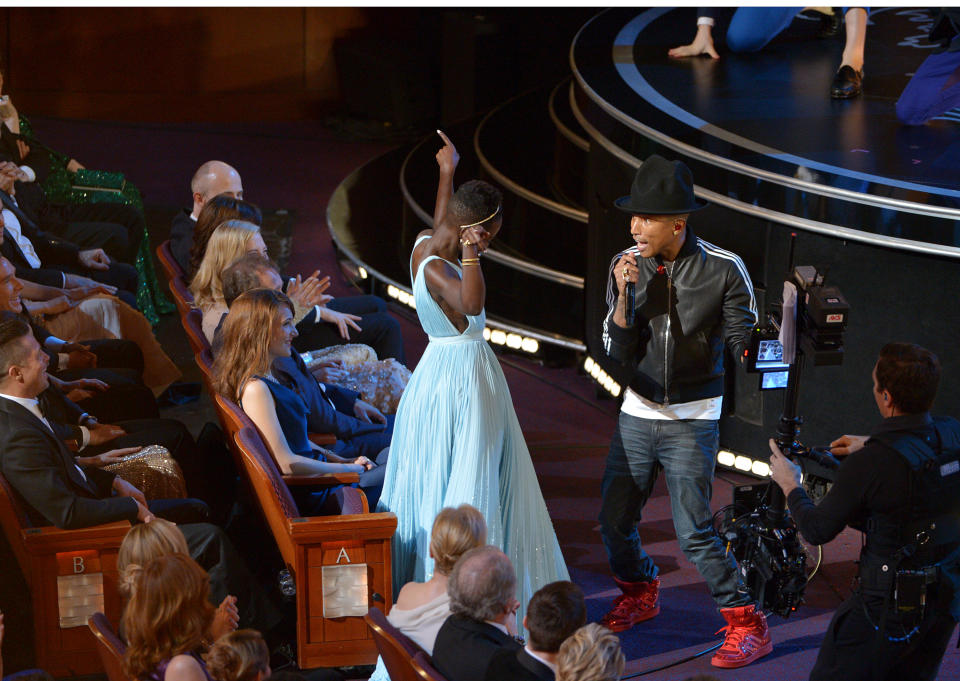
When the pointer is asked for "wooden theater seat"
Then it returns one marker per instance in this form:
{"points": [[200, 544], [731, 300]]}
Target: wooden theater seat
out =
{"points": [[425, 669], [182, 297], [396, 649], [233, 419], [66, 572], [350, 548], [193, 325], [109, 646], [169, 263]]}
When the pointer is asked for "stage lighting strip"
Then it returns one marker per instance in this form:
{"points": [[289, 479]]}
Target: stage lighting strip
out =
{"points": [[725, 457], [606, 381], [743, 463], [496, 336]]}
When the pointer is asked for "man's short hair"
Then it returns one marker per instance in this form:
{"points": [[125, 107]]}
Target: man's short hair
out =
{"points": [[482, 584], [554, 613], [243, 274], [911, 374], [473, 201], [13, 327]]}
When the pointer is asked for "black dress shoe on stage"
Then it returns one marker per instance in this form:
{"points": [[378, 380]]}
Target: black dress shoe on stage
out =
{"points": [[846, 83]]}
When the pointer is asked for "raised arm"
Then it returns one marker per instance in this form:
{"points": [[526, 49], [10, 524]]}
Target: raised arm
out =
{"points": [[258, 404], [447, 159], [465, 295]]}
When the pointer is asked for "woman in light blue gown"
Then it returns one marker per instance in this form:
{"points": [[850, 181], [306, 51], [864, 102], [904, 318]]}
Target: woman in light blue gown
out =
{"points": [[457, 439]]}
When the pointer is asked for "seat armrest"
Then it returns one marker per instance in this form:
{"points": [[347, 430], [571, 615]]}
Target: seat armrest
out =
{"points": [[359, 527], [322, 439], [54, 538], [321, 479]]}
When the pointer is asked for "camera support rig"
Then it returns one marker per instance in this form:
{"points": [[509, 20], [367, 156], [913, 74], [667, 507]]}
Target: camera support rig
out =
{"points": [[765, 541]]}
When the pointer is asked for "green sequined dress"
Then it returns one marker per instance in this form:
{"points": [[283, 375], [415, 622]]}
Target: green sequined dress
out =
{"points": [[59, 189]]}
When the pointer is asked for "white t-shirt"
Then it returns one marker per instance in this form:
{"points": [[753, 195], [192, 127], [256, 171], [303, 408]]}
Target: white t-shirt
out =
{"points": [[639, 406]]}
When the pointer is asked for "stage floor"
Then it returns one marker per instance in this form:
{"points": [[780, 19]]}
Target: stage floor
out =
{"points": [[773, 106]]}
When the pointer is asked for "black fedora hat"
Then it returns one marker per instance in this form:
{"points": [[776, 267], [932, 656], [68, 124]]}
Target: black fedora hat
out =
{"points": [[661, 187]]}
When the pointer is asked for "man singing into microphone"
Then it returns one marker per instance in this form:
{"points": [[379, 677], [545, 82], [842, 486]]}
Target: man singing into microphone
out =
{"points": [[688, 299]]}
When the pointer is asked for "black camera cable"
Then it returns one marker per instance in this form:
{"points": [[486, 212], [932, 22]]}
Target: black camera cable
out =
{"points": [[672, 664]]}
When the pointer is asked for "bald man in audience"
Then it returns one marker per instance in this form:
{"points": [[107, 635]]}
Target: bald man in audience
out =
{"points": [[483, 603], [212, 178]]}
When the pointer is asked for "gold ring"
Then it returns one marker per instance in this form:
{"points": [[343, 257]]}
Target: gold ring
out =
{"points": [[624, 271]]}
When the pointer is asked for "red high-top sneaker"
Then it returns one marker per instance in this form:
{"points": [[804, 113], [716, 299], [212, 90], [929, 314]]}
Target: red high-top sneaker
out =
{"points": [[747, 638], [639, 602]]}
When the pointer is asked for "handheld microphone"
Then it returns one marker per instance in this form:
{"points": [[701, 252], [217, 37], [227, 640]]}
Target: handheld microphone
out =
{"points": [[630, 291]]}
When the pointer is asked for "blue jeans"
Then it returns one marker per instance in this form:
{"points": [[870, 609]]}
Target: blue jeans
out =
{"points": [[685, 451]]}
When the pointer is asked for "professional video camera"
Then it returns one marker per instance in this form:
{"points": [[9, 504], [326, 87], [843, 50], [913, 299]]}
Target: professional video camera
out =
{"points": [[762, 536]]}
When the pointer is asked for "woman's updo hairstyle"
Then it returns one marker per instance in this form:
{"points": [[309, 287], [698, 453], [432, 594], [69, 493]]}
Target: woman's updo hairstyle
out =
{"points": [[455, 531], [238, 656]]}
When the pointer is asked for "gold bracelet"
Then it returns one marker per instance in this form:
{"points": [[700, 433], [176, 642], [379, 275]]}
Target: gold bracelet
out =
{"points": [[470, 261], [475, 264]]}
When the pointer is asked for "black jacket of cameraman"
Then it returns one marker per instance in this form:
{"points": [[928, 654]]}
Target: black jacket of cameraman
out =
{"points": [[873, 492], [682, 321]]}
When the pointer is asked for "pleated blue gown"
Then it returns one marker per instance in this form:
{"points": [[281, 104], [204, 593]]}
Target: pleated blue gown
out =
{"points": [[457, 440]]}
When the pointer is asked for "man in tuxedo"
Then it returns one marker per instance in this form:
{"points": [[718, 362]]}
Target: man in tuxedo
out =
{"points": [[37, 463], [553, 614], [52, 261], [483, 603], [211, 179]]}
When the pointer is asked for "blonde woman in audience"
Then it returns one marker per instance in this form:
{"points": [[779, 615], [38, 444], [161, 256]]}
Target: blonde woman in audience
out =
{"points": [[166, 621], [239, 656], [592, 653], [422, 608], [228, 242], [159, 537], [217, 210]]}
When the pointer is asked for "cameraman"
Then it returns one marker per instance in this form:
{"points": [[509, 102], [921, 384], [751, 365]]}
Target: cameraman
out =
{"points": [[900, 481]]}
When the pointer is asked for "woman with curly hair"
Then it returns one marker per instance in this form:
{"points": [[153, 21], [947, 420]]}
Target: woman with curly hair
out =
{"points": [[166, 621]]}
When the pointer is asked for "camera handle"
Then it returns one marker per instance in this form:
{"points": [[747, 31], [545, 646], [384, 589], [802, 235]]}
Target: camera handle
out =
{"points": [[786, 439]]}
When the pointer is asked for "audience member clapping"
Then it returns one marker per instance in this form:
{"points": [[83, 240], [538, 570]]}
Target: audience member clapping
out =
{"points": [[148, 541], [483, 601], [353, 366], [553, 614], [256, 340], [166, 620], [239, 656], [591, 653]]}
